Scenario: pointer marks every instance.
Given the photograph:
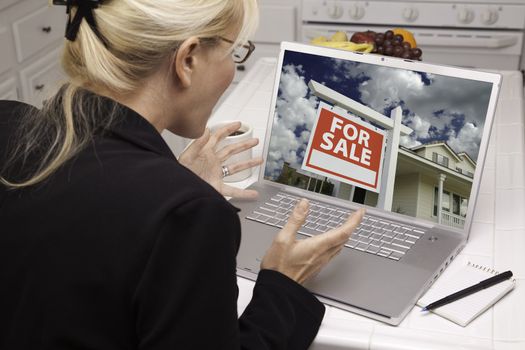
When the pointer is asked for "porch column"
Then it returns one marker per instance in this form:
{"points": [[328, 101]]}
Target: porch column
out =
{"points": [[441, 179]]}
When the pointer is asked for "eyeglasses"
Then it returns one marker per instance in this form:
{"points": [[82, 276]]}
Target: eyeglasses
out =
{"points": [[242, 52]]}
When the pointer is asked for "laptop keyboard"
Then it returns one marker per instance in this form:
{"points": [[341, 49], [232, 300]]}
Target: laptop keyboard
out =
{"points": [[373, 235]]}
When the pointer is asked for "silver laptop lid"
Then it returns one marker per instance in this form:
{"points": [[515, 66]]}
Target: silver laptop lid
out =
{"points": [[336, 118]]}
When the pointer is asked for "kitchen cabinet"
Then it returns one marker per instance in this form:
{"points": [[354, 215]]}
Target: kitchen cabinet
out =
{"points": [[31, 37], [41, 78], [8, 90]]}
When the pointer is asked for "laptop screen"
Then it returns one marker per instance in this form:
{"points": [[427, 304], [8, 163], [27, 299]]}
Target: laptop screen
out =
{"points": [[391, 138]]}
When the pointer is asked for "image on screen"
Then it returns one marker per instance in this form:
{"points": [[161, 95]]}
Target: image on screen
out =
{"points": [[318, 145]]}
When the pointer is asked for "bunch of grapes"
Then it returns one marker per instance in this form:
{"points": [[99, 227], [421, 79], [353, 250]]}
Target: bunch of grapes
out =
{"points": [[390, 44]]}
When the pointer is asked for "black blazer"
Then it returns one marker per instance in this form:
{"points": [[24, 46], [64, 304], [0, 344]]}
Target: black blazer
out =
{"points": [[125, 248]]}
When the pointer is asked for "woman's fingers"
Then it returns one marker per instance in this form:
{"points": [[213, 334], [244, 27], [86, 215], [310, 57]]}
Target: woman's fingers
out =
{"points": [[238, 167], [234, 148], [295, 221], [340, 235], [234, 192]]}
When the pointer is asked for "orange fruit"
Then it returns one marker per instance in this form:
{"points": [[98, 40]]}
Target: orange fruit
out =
{"points": [[407, 36]]}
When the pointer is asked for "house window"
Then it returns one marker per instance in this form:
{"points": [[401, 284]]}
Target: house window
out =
{"points": [[440, 159], [456, 203], [464, 172], [434, 207], [446, 201], [459, 204]]}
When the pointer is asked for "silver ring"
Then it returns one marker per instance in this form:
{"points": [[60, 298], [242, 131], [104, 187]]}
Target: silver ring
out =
{"points": [[225, 171]]}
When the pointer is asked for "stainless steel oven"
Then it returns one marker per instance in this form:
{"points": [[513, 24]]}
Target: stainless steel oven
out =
{"points": [[469, 33]]}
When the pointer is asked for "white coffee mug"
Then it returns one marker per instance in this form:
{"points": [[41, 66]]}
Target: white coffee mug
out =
{"points": [[244, 133]]}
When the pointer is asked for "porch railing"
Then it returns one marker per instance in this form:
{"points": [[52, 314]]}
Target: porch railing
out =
{"points": [[452, 220]]}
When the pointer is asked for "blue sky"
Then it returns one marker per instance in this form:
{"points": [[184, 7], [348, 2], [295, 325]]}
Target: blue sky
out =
{"points": [[437, 108]]}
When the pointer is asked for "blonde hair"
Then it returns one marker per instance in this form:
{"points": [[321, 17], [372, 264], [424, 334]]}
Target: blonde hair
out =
{"points": [[140, 34]]}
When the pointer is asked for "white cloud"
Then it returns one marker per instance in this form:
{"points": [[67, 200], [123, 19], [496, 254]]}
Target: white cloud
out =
{"points": [[292, 85], [420, 126], [466, 140], [409, 141], [295, 111]]}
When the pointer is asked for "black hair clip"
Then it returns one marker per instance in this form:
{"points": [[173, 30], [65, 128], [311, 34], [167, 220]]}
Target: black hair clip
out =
{"points": [[85, 10], [75, 2]]}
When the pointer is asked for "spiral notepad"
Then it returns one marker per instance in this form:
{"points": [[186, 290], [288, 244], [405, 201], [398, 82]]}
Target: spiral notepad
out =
{"points": [[464, 310]]}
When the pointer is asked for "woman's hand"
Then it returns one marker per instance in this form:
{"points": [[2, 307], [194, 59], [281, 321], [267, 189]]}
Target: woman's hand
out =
{"points": [[204, 159], [302, 259]]}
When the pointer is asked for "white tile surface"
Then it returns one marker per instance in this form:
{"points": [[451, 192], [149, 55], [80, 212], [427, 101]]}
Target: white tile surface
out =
{"points": [[488, 181], [245, 293], [503, 345], [510, 87], [226, 111], [490, 160], [261, 99], [390, 338], [481, 239], [510, 209], [484, 211], [509, 319], [510, 138], [509, 251], [339, 334], [511, 171], [506, 111], [257, 115]]}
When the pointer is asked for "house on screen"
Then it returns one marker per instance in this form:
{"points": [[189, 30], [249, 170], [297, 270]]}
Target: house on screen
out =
{"points": [[432, 182]]}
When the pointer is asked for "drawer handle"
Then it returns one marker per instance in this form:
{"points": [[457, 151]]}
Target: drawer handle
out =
{"points": [[46, 29], [39, 87]]}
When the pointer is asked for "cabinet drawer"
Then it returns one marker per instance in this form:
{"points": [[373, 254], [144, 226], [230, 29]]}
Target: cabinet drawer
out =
{"points": [[41, 79], [38, 30], [5, 52], [8, 90], [6, 3]]}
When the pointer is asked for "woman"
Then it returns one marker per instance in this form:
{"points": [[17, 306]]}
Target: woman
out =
{"points": [[106, 240]]}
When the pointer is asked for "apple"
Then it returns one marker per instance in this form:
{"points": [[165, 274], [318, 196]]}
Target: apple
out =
{"points": [[363, 37]]}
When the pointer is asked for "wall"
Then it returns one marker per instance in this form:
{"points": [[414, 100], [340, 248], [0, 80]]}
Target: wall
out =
{"points": [[406, 194]]}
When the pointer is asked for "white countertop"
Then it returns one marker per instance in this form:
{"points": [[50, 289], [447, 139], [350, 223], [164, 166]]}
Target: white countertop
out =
{"points": [[497, 238]]}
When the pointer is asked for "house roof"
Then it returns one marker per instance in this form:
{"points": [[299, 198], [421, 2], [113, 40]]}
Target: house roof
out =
{"points": [[467, 157], [428, 162], [444, 144]]}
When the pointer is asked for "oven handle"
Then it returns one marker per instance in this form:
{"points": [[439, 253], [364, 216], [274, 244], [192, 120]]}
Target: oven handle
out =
{"points": [[466, 41]]}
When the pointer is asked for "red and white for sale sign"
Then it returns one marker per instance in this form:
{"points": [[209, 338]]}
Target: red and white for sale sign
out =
{"points": [[345, 148]]}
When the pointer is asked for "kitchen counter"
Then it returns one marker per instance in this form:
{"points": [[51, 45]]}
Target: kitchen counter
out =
{"points": [[497, 238]]}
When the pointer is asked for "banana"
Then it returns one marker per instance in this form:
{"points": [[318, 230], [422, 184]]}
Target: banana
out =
{"points": [[319, 39], [346, 45]]}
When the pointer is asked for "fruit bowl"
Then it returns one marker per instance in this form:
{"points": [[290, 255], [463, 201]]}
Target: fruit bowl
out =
{"points": [[397, 42]]}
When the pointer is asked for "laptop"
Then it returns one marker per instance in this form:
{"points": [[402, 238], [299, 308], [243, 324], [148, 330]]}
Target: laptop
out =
{"points": [[404, 139]]}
